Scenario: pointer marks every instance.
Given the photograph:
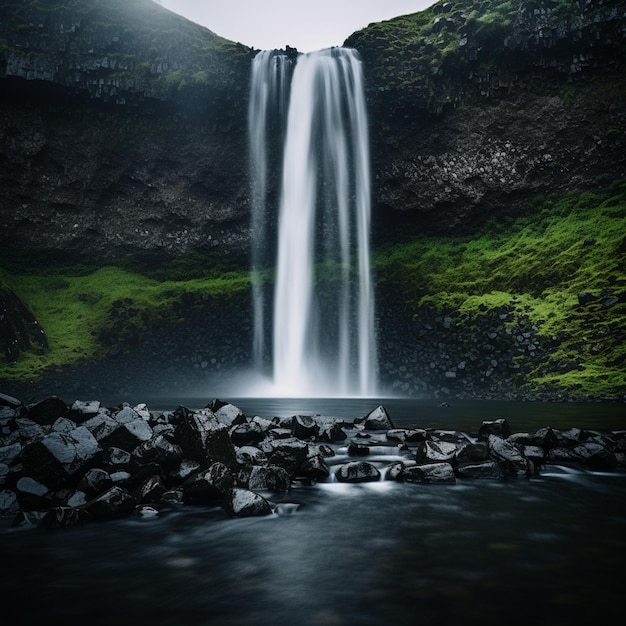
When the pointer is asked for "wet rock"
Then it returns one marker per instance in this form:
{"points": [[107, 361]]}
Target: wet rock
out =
{"points": [[59, 456], [11, 453], [47, 411], [472, 452], [315, 468], [429, 473], [247, 433], [249, 455], [485, 470], [62, 516], [9, 506], [357, 472], [499, 427], [395, 471], [286, 453], [406, 435], [114, 503], [64, 425], [268, 478], [95, 481], [330, 430], [208, 486], [115, 459], [204, 440], [245, 503], [435, 452], [358, 449], [28, 519], [81, 411], [150, 490], [304, 427], [229, 415], [9, 401], [183, 471], [158, 450], [32, 495], [378, 419], [510, 458]]}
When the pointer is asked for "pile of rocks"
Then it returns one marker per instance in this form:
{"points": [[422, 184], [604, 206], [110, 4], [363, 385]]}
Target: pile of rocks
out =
{"points": [[62, 465]]}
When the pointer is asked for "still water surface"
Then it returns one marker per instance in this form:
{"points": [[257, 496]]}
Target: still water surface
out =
{"points": [[549, 550]]}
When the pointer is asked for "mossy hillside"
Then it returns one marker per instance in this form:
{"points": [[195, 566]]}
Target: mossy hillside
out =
{"points": [[85, 310], [535, 266]]}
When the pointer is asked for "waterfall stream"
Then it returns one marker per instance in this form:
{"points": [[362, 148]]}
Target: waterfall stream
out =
{"points": [[323, 340]]}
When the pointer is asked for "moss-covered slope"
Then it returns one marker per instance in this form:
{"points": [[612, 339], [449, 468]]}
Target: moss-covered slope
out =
{"points": [[536, 304]]}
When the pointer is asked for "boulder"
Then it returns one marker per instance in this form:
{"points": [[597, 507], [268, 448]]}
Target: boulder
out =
{"points": [[183, 471], [314, 467], [150, 489], [81, 411], [9, 401], [208, 486], [158, 450], [249, 455], [47, 411], [245, 503], [357, 472], [114, 503], [62, 516], [204, 440], [512, 462], [32, 495], [499, 427], [60, 456], [330, 430], [395, 471], [115, 459], [286, 453], [304, 427], [378, 419], [486, 469], [435, 452], [268, 478], [95, 481], [9, 506], [429, 473], [229, 415], [358, 449], [247, 433], [472, 453]]}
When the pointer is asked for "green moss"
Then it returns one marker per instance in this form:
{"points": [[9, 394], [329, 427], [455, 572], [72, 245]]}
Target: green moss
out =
{"points": [[77, 309], [537, 266]]}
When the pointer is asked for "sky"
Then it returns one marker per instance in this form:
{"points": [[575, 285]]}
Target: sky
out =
{"points": [[303, 24]]}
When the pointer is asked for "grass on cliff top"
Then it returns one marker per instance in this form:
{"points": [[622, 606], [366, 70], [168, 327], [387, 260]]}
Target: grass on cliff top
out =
{"points": [[537, 265], [73, 308]]}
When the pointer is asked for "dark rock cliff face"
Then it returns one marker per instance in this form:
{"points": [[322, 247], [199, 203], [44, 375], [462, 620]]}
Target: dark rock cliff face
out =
{"points": [[122, 131], [479, 106]]}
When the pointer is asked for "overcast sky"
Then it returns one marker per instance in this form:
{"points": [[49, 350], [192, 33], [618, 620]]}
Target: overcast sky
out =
{"points": [[303, 24]]}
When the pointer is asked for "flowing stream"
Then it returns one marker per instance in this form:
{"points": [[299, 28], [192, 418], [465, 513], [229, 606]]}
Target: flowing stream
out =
{"points": [[323, 340]]}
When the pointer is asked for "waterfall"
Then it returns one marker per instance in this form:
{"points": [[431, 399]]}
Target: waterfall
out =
{"points": [[266, 122], [323, 303]]}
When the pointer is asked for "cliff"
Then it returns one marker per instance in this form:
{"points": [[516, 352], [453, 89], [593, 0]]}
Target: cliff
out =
{"points": [[480, 106], [122, 131]]}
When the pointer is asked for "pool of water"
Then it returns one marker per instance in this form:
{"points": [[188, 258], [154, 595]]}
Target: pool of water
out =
{"points": [[549, 550]]}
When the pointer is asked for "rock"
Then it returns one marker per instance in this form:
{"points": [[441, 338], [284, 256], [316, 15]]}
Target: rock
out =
{"points": [[185, 469], [229, 415], [9, 506], [406, 435], [204, 440], [486, 469], [429, 473], [286, 453], [395, 471], [59, 456], [329, 430], [304, 427], [435, 452], [9, 401], [158, 450], [314, 468], [248, 433], [358, 449], [208, 486], [30, 430], [28, 519], [357, 472], [32, 495], [46, 411], [151, 489], [62, 516], [268, 478], [81, 411], [11, 453], [249, 455], [499, 427], [95, 481], [114, 503], [472, 452], [245, 503], [510, 458], [378, 419], [125, 433], [64, 425], [115, 459], [585, 298], [146, 512]]}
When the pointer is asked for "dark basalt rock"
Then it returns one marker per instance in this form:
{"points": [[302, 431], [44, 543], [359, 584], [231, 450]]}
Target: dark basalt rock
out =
{"points": [[357, 472], [429, 473], [378, 419], [499, 427], [245, 503], [47, 411], [304, 427], [67, 474]]}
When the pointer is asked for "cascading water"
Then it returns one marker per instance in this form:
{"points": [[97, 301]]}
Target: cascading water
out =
{"points": [[323, 306], [266, 123]]}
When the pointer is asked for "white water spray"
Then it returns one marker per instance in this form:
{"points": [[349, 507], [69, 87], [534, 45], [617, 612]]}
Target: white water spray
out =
{"points": [[323, 307]]}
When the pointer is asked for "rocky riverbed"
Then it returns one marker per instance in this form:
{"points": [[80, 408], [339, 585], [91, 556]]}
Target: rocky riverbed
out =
{"points": [[66, 464]]}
